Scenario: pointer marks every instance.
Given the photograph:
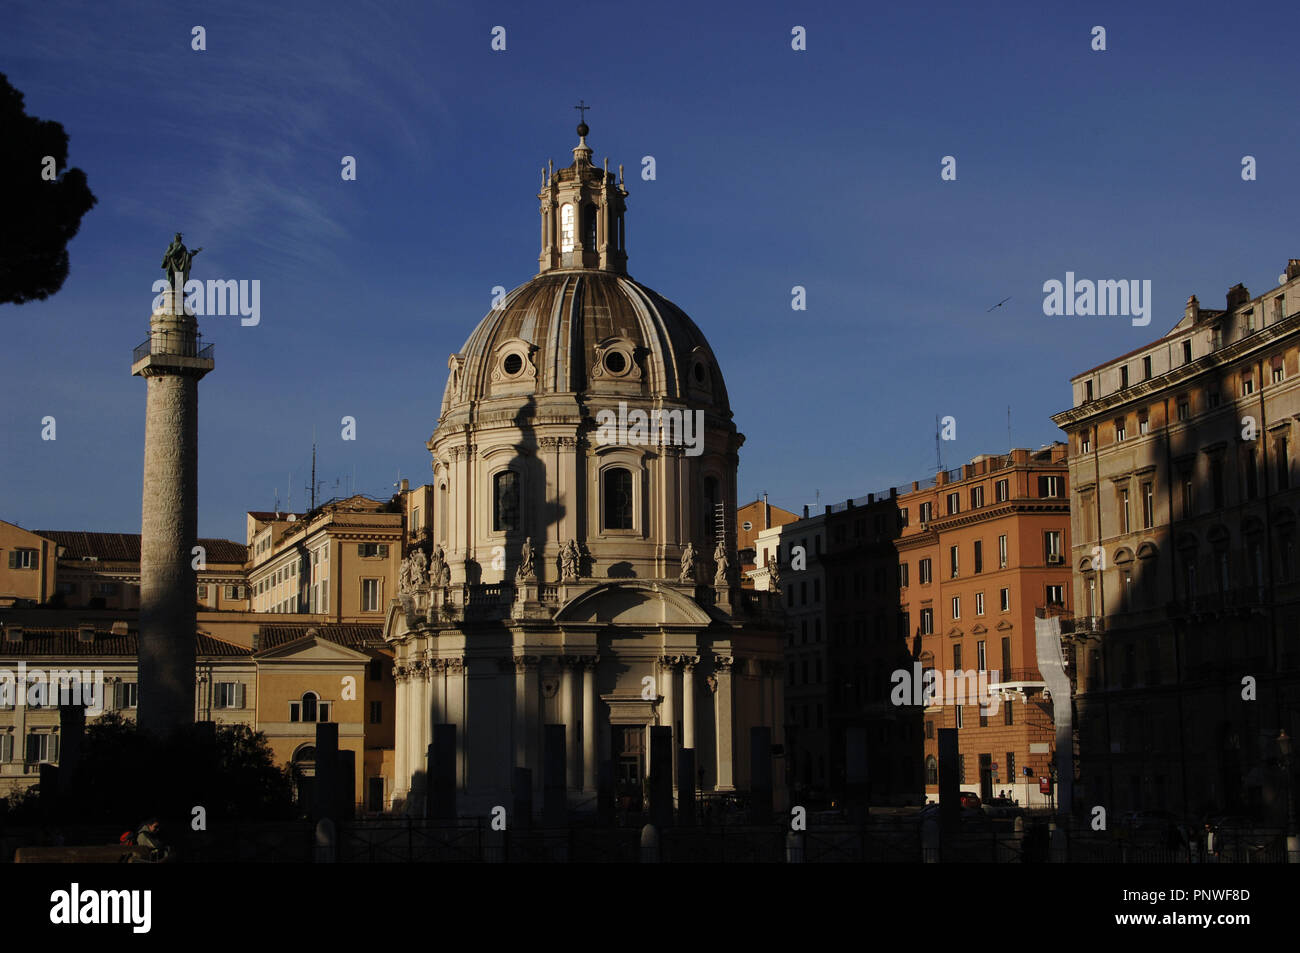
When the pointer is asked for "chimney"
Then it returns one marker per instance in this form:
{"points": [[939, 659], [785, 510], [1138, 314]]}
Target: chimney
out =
{"points": [[406, 486], [13, 634], [1192, 309], [119, 628], [86, 632], [767, 513], [805, 511], [1237, 296], [1292, 268]]}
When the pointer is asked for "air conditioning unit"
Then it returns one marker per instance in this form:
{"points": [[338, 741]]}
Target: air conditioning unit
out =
{"points": [[1055, 559]]}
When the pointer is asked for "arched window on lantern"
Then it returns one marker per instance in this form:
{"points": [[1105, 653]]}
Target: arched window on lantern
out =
{"points": [[566, 227]]}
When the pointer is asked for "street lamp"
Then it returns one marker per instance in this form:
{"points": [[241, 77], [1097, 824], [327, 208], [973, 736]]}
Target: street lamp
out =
{"points": [[1292, 841]]}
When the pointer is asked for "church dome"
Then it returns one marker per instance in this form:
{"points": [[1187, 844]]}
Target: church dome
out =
{"points": [[583, 331]]}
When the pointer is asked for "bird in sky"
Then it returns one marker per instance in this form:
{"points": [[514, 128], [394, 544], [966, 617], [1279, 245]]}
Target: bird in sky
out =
{"points": [[999, 304]]}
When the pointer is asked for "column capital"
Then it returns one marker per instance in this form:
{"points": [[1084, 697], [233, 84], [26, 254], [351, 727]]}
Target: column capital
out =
{"points": [[689, 661], [670, 661], [723, 662], [526, 663], [589, 662]]}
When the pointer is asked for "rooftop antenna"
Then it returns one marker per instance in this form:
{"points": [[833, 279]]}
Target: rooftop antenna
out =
{"points": [[289, 505], [313, 467], [1010, 444], [938, 451]]}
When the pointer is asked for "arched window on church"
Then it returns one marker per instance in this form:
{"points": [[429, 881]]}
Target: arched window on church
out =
{"points": [[566, 227], [589, 227], [441, 529], [308, 706], [505, 502], [931, 770], [617, 493]]}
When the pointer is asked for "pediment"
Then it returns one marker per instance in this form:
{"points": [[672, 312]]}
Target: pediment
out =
{"points": [[311, 648], [634, 604]]}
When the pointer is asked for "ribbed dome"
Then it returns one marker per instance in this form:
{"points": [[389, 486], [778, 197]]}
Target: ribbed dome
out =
{"points": [[581, 330]]}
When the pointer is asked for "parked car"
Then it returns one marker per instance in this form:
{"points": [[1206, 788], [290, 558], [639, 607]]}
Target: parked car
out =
{"points": [[1003, 807], [970, 799]]}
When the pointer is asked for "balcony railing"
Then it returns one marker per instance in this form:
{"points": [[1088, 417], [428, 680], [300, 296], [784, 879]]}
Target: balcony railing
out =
{"points": [[1246, 597], [1016, 675], [183, 345]]}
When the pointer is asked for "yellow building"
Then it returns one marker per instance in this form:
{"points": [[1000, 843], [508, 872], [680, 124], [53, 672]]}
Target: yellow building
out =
{"points": [[279, 679], [27, 566], [339, 562], [75, 569]]}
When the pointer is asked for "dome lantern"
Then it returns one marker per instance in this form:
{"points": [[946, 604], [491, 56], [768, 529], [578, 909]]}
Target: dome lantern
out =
{"points": [[582, 209]]}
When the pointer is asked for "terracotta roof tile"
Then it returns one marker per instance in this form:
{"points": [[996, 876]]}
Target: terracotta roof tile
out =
{"points": [[125, 547], [53, 642], [351, 636]]}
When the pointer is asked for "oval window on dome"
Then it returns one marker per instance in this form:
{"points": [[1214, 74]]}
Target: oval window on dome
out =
{"points": [[699, 373], [615, 362], [513, 364]]}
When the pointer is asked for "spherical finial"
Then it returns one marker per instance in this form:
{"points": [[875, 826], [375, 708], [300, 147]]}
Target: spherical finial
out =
{"points": [[583, 130]]}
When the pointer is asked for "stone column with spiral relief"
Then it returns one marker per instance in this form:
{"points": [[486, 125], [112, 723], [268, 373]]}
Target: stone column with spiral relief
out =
{"points": [[172, 361]]}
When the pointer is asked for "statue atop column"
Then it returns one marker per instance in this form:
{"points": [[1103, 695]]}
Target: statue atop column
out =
{"points": [[526, 572], [570, 562], [688, 573], [438, 572], [178, 259], [773, 575], [722, 576]]}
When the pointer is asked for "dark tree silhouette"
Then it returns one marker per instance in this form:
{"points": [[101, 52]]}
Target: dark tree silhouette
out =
{"points": [[41, 215]]}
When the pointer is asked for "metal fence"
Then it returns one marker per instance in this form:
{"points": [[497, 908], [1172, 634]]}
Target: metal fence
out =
{"points": [[415, 840]]}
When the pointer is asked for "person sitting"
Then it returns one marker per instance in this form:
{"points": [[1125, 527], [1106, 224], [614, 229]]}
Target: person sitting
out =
{"points": [[149, 834]]}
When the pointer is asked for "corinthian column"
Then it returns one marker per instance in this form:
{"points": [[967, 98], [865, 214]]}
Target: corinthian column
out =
{"points": [[688, 700], [668, 707], [722, 703]]}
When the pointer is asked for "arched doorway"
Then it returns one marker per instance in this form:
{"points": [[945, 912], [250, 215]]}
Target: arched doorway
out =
{"points": [[304, 774]]}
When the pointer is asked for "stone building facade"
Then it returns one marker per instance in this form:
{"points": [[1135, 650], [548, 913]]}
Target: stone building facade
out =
{"points": [[1185, 649]]}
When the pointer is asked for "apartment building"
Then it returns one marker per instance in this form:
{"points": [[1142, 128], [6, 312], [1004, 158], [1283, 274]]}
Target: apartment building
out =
{"points": [[280, 679], [798, 548], [1186, 652], [982, 549], [77, 569], [339, 562]]}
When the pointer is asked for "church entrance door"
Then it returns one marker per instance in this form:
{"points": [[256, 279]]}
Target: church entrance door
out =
{"points": [[628, 742]]}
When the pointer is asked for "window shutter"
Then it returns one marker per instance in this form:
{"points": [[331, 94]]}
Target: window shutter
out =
{"points": [[239, 695], [13, 559], [54, 748], [117, 695], [33, 748]]}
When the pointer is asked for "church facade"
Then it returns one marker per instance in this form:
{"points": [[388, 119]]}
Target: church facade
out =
{"points": [[581, 569]]}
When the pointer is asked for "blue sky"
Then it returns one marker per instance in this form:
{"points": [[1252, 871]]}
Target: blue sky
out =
{"points": [[775, 168]]}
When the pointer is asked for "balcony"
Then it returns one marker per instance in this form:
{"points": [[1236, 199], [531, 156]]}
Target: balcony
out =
{"points": [[183, 345], [1018, 680], [1239, 601]]}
